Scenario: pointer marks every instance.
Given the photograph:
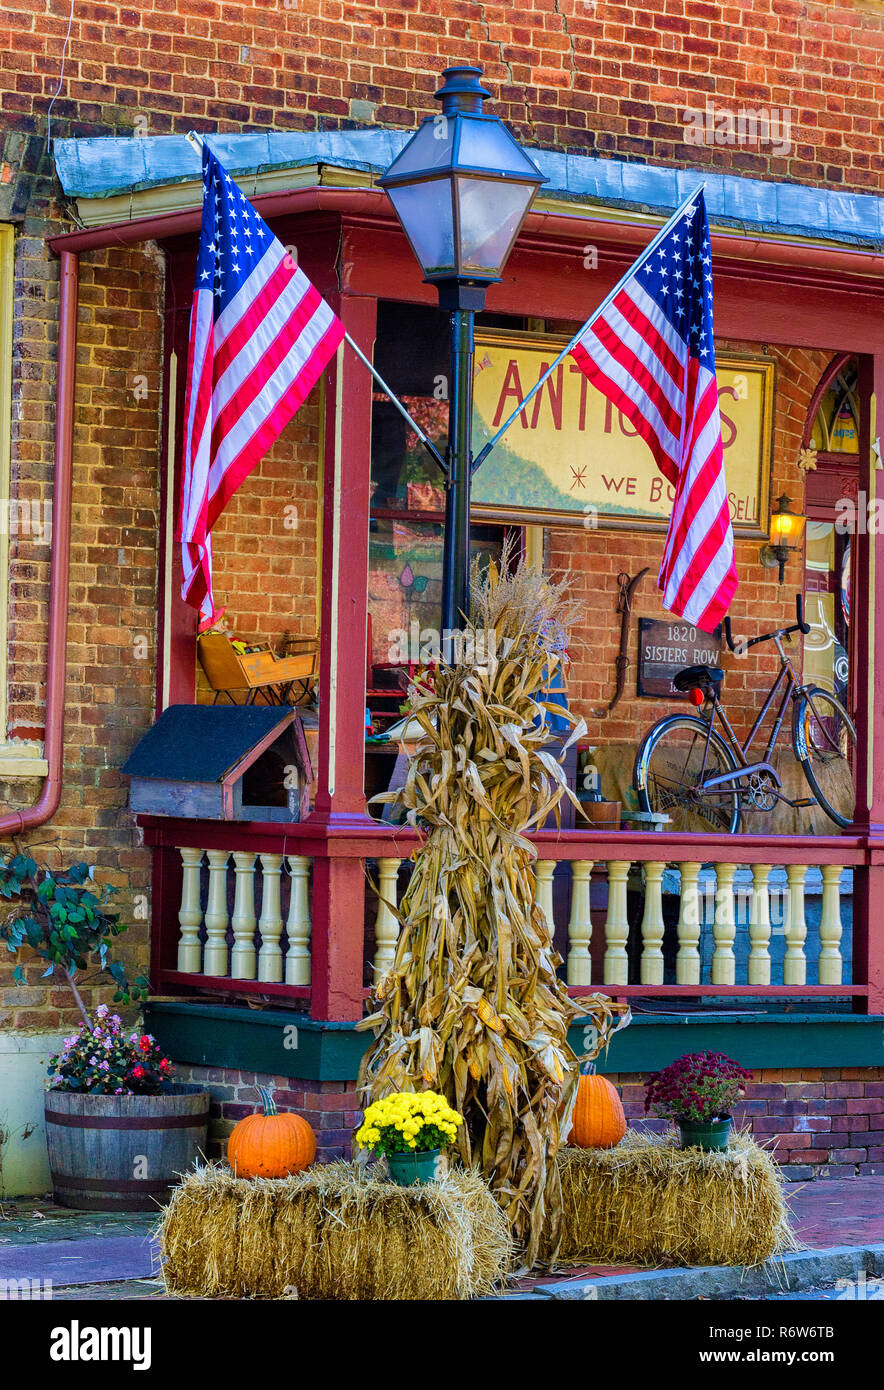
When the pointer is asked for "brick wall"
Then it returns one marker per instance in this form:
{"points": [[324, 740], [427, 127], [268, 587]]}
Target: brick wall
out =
{"points": [[573, 74], [330, 1107], [112, 609], [825, 1122]]}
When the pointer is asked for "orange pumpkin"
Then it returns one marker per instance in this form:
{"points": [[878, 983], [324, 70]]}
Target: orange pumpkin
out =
{"points": [[270, 1145], [599, 1121]]}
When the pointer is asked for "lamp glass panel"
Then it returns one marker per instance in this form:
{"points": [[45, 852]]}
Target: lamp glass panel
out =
{"points": [[425, 211], [785, 528], [491, 214], [489, 145], [430, 148]]}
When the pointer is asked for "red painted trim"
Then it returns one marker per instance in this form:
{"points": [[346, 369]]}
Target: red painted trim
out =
{"points": [[837, 364], [539, 229], [231, 987]]}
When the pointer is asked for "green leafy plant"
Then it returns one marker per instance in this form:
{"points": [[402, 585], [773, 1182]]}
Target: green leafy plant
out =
{"points": [[697, 1088], [63, 916], [104, 1060]]}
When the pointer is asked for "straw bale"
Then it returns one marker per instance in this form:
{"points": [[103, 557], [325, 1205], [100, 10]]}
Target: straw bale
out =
{"points": [[649, 1202], [336, 1231]]}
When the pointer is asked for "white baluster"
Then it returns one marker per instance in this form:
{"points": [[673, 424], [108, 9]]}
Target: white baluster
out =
{"points": [[190, 914], [579, 966], [687, 962], [543, 890], [386, 925], [759, 927], [794, 961], [617, 924], [652, 925], [297, 960], [215, 954], [724, 928], [270, 923], [830, 964], [242, 957]]}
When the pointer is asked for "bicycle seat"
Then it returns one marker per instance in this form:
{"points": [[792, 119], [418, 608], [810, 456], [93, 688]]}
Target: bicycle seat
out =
{"points": [[693, 676]]}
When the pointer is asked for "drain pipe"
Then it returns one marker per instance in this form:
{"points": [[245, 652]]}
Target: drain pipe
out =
{"points": [[14, 822]]}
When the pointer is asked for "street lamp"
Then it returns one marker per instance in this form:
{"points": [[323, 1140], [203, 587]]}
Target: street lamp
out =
{"points": [[461, 188]]}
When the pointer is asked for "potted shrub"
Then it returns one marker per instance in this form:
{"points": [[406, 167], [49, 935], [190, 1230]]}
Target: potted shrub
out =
{"points": [[410, 1129], [118, 1128], [698, 1091]]}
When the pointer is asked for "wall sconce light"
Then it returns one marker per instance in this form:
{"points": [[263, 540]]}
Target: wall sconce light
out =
{"points": [[786, 529]]}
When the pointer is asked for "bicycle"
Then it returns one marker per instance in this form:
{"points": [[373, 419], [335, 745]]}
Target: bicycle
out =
{"points": [[700, 775]]}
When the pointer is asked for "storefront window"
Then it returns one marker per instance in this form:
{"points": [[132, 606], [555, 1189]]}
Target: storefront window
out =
{"points": [[407, 491], [827, 606]]}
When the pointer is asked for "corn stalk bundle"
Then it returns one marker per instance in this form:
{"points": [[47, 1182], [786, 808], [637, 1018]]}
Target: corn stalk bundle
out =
{"points": [[472, 1005]]}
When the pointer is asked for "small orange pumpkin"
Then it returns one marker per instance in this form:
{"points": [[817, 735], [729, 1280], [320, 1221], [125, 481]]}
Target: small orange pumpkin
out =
{"points": [[599, 1121], [270, 1145]]}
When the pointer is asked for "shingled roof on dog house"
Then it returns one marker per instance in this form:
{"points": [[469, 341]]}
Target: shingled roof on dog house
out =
{"points": [[222, 762]]}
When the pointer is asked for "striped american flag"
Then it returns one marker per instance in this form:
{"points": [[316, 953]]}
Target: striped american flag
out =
{"points": [[651, 352], [260, 337]]}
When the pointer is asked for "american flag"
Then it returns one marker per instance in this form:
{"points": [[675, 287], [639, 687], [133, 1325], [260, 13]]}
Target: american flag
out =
{"points": [[260, 337], [651, 351]]}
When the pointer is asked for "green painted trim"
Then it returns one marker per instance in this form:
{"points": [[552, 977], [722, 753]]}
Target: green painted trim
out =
{"points": [[788, 1041], [277, 1042], [274, 1042]]}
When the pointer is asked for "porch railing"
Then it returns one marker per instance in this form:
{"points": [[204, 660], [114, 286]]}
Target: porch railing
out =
{"points": [[691, 917]]}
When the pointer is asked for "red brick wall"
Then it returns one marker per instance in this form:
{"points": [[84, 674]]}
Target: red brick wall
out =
{"points": [[112, 610], [584, 75], [825, 1122], [330, 1107]]}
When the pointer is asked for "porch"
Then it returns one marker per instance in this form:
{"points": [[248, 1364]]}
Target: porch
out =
{"points": [[303, 915]]}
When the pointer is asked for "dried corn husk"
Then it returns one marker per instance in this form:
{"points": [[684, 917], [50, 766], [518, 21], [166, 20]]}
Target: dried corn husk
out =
{"points": [[472, 1005]]}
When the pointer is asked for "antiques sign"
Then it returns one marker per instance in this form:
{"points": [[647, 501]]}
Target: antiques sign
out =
{"points": [[571, 458], [665, 646]]}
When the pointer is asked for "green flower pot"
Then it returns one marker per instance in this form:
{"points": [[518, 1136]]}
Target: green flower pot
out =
{"points": [[711, 1134], [414, 1168]]}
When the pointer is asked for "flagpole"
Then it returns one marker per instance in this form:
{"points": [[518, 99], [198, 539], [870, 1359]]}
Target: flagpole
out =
{"points": [[198, 142], [636, 265]]}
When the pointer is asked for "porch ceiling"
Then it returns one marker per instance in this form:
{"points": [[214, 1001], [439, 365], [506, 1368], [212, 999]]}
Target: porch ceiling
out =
{"points": [[113, 180]]}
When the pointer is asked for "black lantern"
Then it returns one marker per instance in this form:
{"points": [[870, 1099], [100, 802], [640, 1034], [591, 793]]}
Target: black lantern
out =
{"points": [[461, 188]]}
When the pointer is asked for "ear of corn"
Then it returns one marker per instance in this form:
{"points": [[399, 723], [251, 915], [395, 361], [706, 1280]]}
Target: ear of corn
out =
{"points": [[472, 1005]]}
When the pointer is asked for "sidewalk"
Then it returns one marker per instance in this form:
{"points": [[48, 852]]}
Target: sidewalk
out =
{"points": [[92, 1255]]}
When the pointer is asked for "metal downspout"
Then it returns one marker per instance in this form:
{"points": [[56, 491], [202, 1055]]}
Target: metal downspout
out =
{"points": [[14, 822]]}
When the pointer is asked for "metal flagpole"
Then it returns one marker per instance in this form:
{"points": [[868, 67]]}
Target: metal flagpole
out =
{"points": [[648, 251], [197, 141]]}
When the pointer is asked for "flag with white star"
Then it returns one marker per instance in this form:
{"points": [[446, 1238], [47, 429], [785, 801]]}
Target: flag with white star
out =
{"points": [[651, 351], [260, 337]]}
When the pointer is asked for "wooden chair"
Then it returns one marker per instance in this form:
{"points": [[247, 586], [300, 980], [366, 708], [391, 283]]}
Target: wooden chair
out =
{"points": [[259, 674]]}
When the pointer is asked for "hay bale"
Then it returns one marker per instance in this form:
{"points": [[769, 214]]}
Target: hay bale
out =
{"points": [[648, 1202], [332, 1232]]}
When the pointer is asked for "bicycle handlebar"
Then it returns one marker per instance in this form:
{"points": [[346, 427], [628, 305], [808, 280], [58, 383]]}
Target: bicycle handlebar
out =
{"points": [[800, 626]]}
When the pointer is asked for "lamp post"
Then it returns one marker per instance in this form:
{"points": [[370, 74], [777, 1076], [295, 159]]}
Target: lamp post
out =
{"points": [[461, 188]]}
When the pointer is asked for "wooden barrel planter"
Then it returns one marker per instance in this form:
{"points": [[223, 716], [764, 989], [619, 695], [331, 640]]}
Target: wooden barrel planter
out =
{"points": [[123, 1153]]}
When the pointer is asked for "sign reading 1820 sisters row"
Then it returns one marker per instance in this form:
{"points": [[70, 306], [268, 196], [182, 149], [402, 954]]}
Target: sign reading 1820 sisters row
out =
{"points": [[572, 459], [665, 647]]}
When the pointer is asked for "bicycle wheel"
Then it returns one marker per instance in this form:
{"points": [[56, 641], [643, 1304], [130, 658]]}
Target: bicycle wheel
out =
{"points": [[824, 740], [670, 764]]}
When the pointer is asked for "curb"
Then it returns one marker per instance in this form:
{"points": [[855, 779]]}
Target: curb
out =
{"points": [[804, 1269]]}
